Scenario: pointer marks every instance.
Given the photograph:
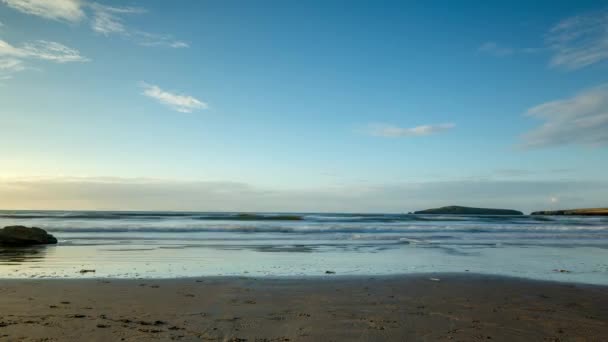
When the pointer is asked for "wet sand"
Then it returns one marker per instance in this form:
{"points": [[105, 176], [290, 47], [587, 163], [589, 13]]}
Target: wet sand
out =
{"points": [[440, 307]]}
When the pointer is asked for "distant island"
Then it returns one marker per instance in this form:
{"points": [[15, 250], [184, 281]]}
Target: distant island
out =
{"points": [[573, 212], [458, 210]]}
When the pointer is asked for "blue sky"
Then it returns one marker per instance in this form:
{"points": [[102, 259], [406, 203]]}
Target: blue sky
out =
{"points": [[302, 105]]}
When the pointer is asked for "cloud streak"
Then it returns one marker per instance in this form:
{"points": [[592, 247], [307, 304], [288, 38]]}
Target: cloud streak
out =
{"points": [[494, 49], [574, 43], [43, 50], [105, 20], [177, 102], [581, 119], [579, 41], [9, 66], [61, 10], [108, 20], [390, 131]]}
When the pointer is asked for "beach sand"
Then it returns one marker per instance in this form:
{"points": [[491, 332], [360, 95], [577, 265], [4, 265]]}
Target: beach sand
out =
{"points": [[438, 307]]}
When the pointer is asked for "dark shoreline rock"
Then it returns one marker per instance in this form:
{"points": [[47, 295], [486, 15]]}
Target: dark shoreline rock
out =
{"points": [[24, 236], [458, 210], [574, 212]]}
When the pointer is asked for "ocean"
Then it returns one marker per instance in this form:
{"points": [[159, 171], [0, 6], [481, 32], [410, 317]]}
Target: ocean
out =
{"points": [[189, 244]]}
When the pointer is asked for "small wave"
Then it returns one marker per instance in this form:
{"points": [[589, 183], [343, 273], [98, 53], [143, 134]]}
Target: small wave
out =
{"points": [[90, 215], [254, 217], [306, 230], [332, 218], [150, 215]]}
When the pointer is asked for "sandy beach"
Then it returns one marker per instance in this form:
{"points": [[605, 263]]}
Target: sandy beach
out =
{"points": [[429, 307]]}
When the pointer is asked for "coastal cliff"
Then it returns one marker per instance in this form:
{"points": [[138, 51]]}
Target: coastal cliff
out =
{"points": [[458, 210], [573, 212]]}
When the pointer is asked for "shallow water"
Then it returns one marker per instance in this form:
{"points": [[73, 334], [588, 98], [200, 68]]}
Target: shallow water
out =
{"points": [[168, 244]]}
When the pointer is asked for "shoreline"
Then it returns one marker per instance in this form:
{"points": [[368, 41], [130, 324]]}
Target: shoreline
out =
{"points": [[332, 277], [430, 306]]}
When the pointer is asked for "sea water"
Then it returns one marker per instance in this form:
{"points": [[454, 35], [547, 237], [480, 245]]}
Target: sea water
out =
{"points": [[180, 244]]}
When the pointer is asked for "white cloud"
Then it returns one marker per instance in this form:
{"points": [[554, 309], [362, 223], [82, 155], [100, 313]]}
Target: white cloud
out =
{"points": [[494, 49], [582, 119], [179, 45], [63, 10], [153, 39], [394, 131], [9, 66], [42, 49], [180, 103], [105, 20], [106, 23], [579, 41], [108, 20], [11, 57]]}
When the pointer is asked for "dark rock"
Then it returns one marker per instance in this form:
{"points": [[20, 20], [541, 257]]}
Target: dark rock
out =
{"points": [[24, 236], [561, 271], [77, 316], [458, 210]]}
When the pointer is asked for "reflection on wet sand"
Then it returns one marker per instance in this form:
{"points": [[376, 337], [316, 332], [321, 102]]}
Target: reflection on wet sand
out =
{"points": [[19, 255]]}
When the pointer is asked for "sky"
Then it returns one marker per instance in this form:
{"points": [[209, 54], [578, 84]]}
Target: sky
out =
{"points": [[301, 106]]}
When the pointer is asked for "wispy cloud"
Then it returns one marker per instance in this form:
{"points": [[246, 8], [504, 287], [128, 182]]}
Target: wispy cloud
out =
{"points": [[579, 41], [495, 49], [582, 119], [105, 20], [574, 43], [108, 20], [383, 130], [12, 57], [177, 102], [153, 39], [500, 50], [62, 10], [179, 45], [42, 49], [511, 173], [9, 66]]}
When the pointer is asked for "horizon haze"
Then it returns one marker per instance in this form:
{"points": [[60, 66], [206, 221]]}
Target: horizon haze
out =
{"points": [[316, 106]]}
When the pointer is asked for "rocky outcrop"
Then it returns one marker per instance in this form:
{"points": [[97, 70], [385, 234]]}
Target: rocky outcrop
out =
{"points": [[458, 210], [574, 212], [24, 236]]}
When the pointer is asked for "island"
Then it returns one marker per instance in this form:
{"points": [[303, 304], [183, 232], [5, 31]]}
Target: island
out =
{"points": [[459, 210], [575, 212]]}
